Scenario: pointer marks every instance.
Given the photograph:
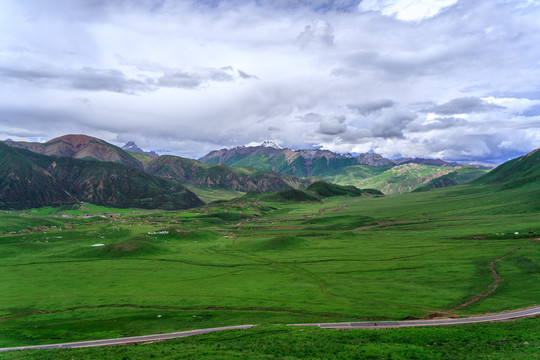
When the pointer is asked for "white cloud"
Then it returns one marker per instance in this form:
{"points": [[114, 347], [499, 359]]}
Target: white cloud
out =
{"points": [[407, 10]]}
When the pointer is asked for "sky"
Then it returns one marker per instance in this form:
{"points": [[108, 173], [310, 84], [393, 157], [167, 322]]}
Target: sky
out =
{"points": [[450, 79]]}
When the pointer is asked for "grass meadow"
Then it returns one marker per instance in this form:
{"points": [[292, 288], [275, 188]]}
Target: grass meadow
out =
{"points": [[256, 261]]}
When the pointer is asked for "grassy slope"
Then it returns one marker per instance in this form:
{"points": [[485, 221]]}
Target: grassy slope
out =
{"points": [[257, 261], [515, 173], [32, 180], [408, 177]]}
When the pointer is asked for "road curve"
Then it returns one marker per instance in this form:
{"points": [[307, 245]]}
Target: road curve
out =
{"points": [[363, 324]]}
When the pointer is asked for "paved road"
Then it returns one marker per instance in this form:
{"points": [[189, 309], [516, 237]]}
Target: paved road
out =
{"points": [[432, 322], [362, 324], [128, 340]]}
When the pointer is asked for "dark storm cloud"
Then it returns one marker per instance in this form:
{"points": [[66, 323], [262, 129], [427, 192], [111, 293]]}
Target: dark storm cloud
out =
{"points": [[366, 108], [464, 105]]}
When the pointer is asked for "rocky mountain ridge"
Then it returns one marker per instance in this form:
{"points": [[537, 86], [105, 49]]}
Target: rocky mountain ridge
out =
{"points": [[131, 146], [227, 156]]}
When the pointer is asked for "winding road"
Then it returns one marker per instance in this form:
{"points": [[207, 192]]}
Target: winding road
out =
{"points": [[364, 324]]}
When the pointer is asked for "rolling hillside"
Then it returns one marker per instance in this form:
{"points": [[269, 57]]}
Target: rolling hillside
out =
{"points": [[522, 171], [411, 176]]}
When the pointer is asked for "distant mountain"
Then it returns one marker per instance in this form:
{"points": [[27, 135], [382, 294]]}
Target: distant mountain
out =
{"points": [[302, 163], [434, 162], [29, 179], [365, 170], [80, 147], [131, 146], [307, 162], [373, 159], [270, 143], [515, 173], [411, 176], [480, 165]]}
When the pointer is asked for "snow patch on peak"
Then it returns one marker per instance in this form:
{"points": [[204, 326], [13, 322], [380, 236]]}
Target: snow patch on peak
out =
{"points": [[266, 143]]}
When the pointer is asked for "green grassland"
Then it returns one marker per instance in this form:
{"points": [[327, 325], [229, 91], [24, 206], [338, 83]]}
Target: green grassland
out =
{"points": [[266, 260]]}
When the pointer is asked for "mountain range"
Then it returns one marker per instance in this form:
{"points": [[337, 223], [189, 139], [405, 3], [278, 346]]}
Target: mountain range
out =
{"points": [[365, 170], [99, 172], [75, 168]]}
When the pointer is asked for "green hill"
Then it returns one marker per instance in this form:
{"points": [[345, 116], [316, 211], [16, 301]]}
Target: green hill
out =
{"points": [[522, 171], [324, 189], [290, 195], [459, 176], [32, 180], [409, 177]]}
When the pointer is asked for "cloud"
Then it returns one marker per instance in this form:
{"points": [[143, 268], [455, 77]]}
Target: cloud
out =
{"points": [[87, 78], [368, 107], [440, 123], [194, 78], [245, 75], [408, 10], [319, 32], [326, 124], [464, 105], [391, 123], [513, 105], [114, 80], [332, 126]]}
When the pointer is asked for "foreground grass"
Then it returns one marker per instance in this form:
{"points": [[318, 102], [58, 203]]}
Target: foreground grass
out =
{"points": [[508, 340], [256, 261]]}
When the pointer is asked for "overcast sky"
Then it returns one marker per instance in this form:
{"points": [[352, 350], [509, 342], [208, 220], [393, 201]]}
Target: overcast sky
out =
{"points": [[451, 79]]}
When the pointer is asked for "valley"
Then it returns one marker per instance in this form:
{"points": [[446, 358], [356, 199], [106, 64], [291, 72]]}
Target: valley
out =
{"points": [[323, 253], [264, 260]]}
